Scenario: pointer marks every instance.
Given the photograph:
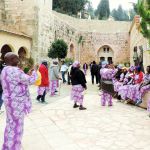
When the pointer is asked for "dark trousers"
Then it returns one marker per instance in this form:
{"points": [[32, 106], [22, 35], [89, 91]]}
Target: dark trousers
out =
{"points": [[94, 75], [1, 101], [63, 76], [69, 80]]}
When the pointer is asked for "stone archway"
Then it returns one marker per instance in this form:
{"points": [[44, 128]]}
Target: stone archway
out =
{"points": [[22, 52], [105, 53], [5, 49], [23, 57], [71, 52]]}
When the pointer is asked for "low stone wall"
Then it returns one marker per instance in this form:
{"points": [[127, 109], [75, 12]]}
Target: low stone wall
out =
{"points": [[145, 100]]}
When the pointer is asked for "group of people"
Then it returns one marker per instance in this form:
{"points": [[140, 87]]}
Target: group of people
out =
{"points": [[49, 80], [16, 97], [131, 83]]}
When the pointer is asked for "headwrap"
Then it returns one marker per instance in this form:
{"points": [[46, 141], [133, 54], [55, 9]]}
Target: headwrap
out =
{"points": [[132, 68], [104, 64], [120, 66], [138, 68], [76, 64]]}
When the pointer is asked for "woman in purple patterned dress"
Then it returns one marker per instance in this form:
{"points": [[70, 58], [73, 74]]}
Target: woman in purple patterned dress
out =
{"points": [[123, 90], [17, 100], [119, 79], [107, 74], [144, 87], [78, 85], [133, 88]]}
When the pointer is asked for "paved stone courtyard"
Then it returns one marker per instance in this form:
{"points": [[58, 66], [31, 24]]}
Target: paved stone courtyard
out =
{"points": [[57, 126]]}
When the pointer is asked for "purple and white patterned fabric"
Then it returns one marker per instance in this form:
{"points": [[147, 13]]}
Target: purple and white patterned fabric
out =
{"points": [[106, 97], [144, 89], [75, 64], [17, 102], [40, 90], [77, 94], [53, 86], [124, 90], [133, 92], [148, 106], [117, 85], [106, 74]]}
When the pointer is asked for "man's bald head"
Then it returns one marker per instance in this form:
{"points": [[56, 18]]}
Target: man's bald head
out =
{"points": [[11, 59]]}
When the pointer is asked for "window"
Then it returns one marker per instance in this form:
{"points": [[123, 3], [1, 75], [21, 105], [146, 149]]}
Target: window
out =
{"points": [[104, 50], [108, 50]]}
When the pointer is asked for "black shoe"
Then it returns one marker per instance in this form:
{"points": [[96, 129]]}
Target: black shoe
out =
{"points": [[75, 106], [82, 108], [119, 97], [38, 97], [56, 91]]}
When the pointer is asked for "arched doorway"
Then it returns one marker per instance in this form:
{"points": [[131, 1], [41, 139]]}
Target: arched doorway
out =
{"points": [[24, 61], [71, 51], [22, 52], [106, 53], [5, 49]]}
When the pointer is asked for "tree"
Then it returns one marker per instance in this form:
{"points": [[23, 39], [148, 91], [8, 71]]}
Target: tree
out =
{"points": [[143, 9], [90, 10], [70, 7], [58, 49], [132, 13], [122, 15], [103, 10]]}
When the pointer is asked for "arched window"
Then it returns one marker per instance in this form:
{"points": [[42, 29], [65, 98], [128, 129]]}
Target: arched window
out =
{"points": [[5, 49], [22, 52]]}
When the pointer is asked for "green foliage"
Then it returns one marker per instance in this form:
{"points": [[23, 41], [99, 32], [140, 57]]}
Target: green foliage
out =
{"points": [[122, 15], [31, 61], [68, 61], [70, 7], [143, 9], [90, 10], [103, 10], [58, 49]]}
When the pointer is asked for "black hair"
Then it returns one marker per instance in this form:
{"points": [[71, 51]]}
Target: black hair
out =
{"points": [[94, 62]]}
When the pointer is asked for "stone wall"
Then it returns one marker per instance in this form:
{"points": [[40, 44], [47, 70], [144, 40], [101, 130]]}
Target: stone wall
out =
{"points": [[44, 29], [93, 42], [85, 38], [2, 11], [93, 35], [15, 42]]}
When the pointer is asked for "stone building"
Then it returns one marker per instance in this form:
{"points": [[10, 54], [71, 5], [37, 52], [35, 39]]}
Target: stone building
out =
{"points": [[90, 40], [29, 20], [138, 44], [32, 25]]}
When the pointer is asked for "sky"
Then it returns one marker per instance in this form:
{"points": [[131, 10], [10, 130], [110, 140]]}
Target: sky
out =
{"points": [[115, 3]]}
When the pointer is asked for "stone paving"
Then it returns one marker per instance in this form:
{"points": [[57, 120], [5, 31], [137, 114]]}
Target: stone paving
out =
{"points": [[57, 126]]}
